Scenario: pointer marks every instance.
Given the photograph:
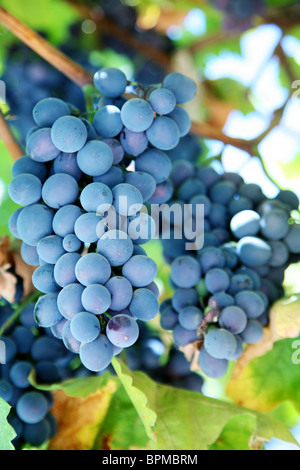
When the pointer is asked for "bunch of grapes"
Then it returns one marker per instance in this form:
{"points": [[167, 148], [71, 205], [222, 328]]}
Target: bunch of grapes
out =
{"points": [[224, 290], [28, 349], [83, 219], [239, 13]]}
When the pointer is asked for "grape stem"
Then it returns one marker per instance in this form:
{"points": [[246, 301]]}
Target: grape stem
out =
{"points": [[9, 140], [30, 300], [42, 47]]}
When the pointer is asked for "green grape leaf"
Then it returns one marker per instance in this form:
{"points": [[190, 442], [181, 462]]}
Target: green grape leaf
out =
{"points": [[237, 435], [7, 433], [234, 92], [138, 397], [190, 421]]}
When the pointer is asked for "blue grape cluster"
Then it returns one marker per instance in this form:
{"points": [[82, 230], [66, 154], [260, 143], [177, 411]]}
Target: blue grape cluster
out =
{"points": [[29, 350], [97, 279], [239, 13], [223, 291]]}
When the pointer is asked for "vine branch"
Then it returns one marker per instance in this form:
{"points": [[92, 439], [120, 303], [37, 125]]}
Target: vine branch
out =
{"points": [[43, 48], [9, 140]]}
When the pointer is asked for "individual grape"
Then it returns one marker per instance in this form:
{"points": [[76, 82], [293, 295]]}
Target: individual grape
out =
{"points": [[251, 191], [239, 350], [233, 319], [116, 246], [65, 218], [156, 163], [25, 189], [107, 121], [210, 258], [163, 193], [185, 271], [218, 216], [220, 300], [293, 239], [220, 343], [34, 223], [111, 178], [251, 302], [182, 119], [140, 270], [96, 299], [48, 110], [164, 133], [154, 288], [143, 181], [121, 292], [275, 224], [57, 330], [50, 249], [47, 349], [142, 229], [111, 82], [190, 188], [214, 368], [12, 222], [92, 268], [162, 100], [95, 158], [27, 316], [60, 190], [137, 115], [43, 279], [289, 198], [10, 348], [245, 223], [184, 298], [64, 269], [184, 88], [116, 148], [27, 165], [40, 146], [168, 318], [122, 331], [96, 197], [239, 282], [19, 373], [181, 171], [133, 143], [23, 338], [29, 254], [6, 390], [239, 205], [67, 163], [68, 134], [127, 199], [85, 327], [231, 258], [46, 312], [222, 192], [32, 407], [144, 305], [36, 434], [97, 356], [217, 280], [253, 333], [280, 253], [71, 243], [201, 199], [72, 344], [190, 318], [89, 227], [253, 251], [182, 336]]}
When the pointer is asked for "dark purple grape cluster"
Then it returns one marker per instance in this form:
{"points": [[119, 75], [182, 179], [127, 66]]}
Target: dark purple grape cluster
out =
{"points": [[239, 14], [83, 186], [224, 290], [25, 350]]}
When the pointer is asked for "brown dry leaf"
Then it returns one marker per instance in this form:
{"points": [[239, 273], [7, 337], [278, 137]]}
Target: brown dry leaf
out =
{"points": [[8, 283], [25, 272], [79, 418]]}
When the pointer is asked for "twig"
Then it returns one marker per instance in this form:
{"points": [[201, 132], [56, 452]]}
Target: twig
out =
{"points": [[8, 139], [42, 47]]}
